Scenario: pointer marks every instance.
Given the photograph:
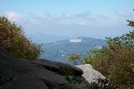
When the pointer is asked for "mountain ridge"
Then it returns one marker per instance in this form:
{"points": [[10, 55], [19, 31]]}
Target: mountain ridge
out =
{"points": [[59, 50]]}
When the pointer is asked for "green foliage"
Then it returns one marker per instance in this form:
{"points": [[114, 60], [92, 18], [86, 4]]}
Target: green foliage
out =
{"points": [[72, 80], [101, 84], [131, 23], [93, 54], [74, 58], [14, 41], [116, 61], [87, 60]]}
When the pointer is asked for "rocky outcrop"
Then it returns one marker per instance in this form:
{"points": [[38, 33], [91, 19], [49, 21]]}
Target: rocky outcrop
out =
{"points": [[53, 73], [39, 74], [89, 73], [16, 74]]}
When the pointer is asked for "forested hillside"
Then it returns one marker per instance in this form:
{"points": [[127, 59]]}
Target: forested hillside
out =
{"points": [[58, 51]]}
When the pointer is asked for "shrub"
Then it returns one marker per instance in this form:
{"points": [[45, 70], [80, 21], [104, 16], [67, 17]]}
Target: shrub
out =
{"points": [[14, 41], [74, 58], [116, 62], [71, 81], [100, 83]]}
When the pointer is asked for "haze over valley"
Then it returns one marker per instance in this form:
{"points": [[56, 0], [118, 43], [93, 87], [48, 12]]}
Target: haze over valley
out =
{"points": [[60, 50]]}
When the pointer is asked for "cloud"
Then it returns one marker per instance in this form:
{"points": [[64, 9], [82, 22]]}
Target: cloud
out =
{"points": [[66, 15], [82, 15], [102, 16], [13, 16], [82, 23], [49, 17], [35, 16], [92, 19], [123, 13], [46, 18]]}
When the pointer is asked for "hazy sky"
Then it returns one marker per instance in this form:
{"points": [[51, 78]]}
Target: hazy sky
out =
{"points": [[92, 18]]}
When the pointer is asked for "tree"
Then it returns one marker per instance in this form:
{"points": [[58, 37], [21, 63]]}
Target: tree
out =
{"points": [[116, 61], [74, 58], [131, 23], [14, 41]]}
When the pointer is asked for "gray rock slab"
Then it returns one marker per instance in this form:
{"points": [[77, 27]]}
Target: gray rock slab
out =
{"points": [[49, 77], [89, 73], [56, 66], [52, 79], [40, 74], [15, 74]]}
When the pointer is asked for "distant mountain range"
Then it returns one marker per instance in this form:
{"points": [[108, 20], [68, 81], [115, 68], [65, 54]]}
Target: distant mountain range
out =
{"points": [[59, 50], [46, 38]]}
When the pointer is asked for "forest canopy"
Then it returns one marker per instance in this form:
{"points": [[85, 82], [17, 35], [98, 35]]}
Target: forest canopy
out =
{"points": [[13, 39]]}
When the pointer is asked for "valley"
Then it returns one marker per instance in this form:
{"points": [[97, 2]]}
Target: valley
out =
{"points": [[59, 50]]}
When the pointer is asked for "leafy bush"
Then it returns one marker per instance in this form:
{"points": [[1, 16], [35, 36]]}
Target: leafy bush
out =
{"points": [[100, 83], [14, 41], [71, 81], [116, 61], [74, 58]]}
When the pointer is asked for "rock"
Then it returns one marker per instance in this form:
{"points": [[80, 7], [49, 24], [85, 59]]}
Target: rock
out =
{"points": [[40, 74], [51, 73], [89, 73], [49, 77], [16, 74], [58, 66]]}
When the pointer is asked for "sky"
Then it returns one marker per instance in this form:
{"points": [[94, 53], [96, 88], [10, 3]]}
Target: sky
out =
{"points": [[90, 18]]}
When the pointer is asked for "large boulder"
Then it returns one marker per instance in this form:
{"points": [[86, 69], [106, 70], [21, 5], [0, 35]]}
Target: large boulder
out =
{"points": [[58, 66], [40, 74], [89, 73], [16, 74], [53, 73]]}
